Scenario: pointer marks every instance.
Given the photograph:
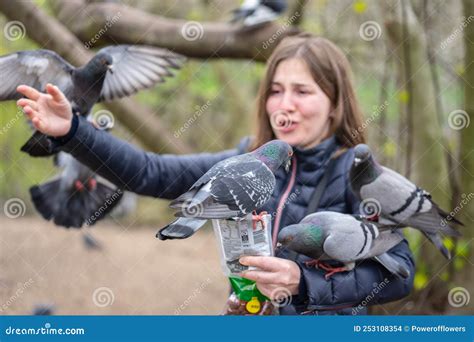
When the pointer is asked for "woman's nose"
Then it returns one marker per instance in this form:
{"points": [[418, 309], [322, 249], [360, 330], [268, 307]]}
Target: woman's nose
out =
{"points": [[287, 104]]}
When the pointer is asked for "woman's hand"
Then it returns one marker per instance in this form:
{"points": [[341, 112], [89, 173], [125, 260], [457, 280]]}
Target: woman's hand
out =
{"points": [[50, 113], [276, 278]]}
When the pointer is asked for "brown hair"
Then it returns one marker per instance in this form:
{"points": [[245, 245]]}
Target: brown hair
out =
{"points": [[330, 69]]}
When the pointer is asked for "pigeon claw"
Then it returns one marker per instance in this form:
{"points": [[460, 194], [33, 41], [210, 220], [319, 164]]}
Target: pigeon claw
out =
{"points": [[323, 266], [258, 218], [79, 185], [91, 184]]}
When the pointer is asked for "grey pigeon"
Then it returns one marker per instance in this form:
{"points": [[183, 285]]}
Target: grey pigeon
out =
{"points": [[340, 237], [76, 197], [233, 187], [90, 242], [43, 310], [114, 72], [397, 201], [253, 13]]}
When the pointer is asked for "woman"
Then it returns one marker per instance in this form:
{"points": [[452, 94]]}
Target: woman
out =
{"points": [[306, 99]]}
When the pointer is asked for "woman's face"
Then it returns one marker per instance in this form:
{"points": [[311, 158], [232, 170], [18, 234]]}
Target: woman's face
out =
{"points": [[299, 110]]}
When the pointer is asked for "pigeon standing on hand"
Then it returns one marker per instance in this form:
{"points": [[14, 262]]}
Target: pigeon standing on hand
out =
{"points": [[233, 187], [114, 72], [253, 13], [340, 237], [399, 202]]}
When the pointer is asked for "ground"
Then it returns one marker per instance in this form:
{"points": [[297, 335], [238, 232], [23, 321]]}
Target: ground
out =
{"points": [[133, 274]]}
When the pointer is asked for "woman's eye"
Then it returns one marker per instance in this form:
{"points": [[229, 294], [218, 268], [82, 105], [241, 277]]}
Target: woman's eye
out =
{"points": [[274, 91]]}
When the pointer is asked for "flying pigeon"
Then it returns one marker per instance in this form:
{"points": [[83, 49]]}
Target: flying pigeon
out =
{"points": [[328, 235], [114, 72], [397, 201], [253, 13], [76, 197], [234, 187]]}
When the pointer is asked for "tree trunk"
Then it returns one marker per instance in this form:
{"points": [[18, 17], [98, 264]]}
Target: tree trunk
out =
{"points": [[428, 169]]}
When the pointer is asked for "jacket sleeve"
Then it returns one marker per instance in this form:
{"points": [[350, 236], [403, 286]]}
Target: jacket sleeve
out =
{"points": [[368, 283], [146, 173]]}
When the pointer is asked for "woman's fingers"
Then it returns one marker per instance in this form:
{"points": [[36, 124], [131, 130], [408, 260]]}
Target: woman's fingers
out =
{"points": [[28, 92], [54, 91], [262, 262], [262, 277], [27, 102]]}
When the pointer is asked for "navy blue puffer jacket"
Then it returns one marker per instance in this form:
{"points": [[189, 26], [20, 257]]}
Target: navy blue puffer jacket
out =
{"points": [[168, 176]]}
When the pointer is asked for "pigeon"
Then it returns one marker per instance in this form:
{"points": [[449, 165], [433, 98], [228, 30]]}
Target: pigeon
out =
{"points": [[90, 242], [254, 13], [114, 72], [328, 235], [43, 310], [234, 187], [395, 201], [76, 197]]}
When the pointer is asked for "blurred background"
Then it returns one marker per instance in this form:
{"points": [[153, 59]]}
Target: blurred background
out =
{"points": [[413, 70]]}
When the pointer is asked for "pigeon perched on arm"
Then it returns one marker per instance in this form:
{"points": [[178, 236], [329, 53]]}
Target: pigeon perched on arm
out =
{"points": [[253, 13], [233, 187], [114, 72], [340, 237], [397, 201]]}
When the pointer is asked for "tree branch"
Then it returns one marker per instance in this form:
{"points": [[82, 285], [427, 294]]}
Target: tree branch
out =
{"points": [[95, 22]]}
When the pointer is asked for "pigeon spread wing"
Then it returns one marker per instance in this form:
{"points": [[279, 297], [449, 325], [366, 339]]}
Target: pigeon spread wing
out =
{"points": [[35, 69], [136, 68], [236, 186], [403, 203]]}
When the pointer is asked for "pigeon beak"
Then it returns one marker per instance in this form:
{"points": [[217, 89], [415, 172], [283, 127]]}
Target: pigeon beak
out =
{"points": [[110, 68], [287, 165], [357, 161]]}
